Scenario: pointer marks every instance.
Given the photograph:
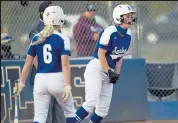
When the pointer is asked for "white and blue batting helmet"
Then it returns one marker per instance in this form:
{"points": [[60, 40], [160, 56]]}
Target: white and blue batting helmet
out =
{"points": [[120, 10], [54, 15]]}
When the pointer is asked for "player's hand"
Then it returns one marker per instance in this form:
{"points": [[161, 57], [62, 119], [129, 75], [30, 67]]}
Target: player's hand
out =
{"points": [[67, 92], [18, 89], [113, 76]]}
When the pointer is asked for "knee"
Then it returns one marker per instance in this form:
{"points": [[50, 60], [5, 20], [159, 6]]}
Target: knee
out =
{"points": [[89, 105], [102, 111], [91, 101]]}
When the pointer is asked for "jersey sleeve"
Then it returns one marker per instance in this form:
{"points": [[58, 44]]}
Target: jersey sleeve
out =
{"points": [[105, 38], [32, 50], [66, 47]]}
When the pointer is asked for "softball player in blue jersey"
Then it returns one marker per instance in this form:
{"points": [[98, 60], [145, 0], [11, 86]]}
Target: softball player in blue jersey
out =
{"points": [[53, 71], [104, 69]]}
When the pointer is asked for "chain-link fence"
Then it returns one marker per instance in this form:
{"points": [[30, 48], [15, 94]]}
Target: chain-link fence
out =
{"points": [[157, 43], [155, 36], [163, 81], [21, 19], [158, 27]]}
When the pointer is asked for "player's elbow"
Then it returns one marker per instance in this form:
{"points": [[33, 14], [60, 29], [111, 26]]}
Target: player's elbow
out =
{"points": [[65, 61], [101, 53], [28, 64], [29, 61], [66, 64]]}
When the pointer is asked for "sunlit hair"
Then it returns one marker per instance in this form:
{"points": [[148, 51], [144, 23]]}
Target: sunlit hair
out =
{"points": [[113, 23], [46, 32]]}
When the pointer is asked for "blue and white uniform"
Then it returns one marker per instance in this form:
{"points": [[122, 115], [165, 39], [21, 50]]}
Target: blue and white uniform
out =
{"points": [[97, 87], [114, 43], [49, 78], [49, 53]]}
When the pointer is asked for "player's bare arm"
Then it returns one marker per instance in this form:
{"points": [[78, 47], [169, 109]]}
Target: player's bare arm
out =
{"points": [[35, 62], [66, 69], [119, 65], [24, 74], [102, 59], [26, 68], [66, 72]]}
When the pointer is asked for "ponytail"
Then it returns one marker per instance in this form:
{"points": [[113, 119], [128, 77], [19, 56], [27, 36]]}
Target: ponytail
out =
{"points": [[46, 32]]}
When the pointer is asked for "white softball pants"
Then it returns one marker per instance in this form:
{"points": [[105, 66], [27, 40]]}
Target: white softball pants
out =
{"points": [[45, 85], [97, 88]]}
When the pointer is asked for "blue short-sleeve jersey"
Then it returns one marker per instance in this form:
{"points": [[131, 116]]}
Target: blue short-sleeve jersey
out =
{"points": [[116, 41], [49, 52]]}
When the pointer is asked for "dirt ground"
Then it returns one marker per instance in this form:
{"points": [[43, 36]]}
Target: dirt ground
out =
{"points": [[158, 121]]}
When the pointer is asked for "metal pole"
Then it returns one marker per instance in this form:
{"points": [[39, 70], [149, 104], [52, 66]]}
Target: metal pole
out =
{"points": [[110, 11], [134, 33]]}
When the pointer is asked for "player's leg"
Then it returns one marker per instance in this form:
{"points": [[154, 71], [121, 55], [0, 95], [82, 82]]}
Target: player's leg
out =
{"points": [[103, 104], [50, 111], [56, 88], [55, 112], [41, 99], [58, 113], [93, 82], [68, 108]]}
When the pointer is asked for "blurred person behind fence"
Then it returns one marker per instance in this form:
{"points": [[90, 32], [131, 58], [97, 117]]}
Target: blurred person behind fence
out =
{"points": [[86, 32], [6, 40], [55, 112]]}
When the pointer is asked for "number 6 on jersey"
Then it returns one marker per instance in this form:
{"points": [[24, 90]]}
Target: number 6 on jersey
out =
{"points": [[47, 56]]}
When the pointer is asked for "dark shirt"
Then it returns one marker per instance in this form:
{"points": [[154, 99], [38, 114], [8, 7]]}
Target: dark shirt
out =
{"points": [[37, 28], [83, 36]]}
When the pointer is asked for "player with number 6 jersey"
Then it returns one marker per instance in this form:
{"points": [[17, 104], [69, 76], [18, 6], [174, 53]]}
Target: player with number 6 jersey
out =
{"points": [[49, 53], [53, 71]]}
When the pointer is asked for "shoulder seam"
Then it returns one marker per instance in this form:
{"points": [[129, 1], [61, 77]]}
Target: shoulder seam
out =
{"points": [[60, 35], [34, 37]]}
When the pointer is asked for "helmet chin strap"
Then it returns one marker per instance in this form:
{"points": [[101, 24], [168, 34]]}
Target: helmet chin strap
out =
{"points": [[41, 16]]}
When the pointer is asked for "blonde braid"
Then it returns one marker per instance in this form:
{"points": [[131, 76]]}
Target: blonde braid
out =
{"points": [[46, 32]]}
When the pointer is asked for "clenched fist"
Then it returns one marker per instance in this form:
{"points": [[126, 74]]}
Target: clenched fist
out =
{"points": [[17, 89]]}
